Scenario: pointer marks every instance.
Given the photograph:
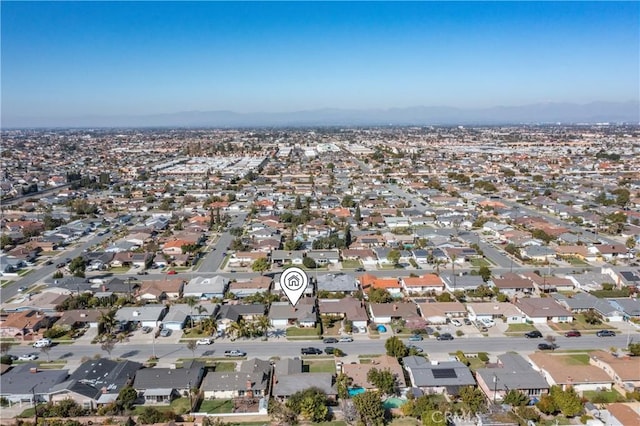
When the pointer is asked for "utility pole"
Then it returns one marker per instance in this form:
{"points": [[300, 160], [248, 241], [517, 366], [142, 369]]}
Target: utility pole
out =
{"points": [[35, 405]]}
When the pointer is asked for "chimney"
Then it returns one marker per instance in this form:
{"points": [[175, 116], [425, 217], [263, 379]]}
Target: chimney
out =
{"points": [[248, 385], [395, 307], [33, 370], [103, 390], [104, 288]]}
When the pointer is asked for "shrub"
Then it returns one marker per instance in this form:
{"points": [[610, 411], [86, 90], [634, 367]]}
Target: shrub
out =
{"points": [[483, 356], [462, 358], [459, 333]]}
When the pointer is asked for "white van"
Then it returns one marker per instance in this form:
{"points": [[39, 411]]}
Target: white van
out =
{"points": [[488, 322], [42, 343]]}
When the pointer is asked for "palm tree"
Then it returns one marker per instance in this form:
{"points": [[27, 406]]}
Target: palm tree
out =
{"points": [[263, 324], [209, 326], [200, 309], [107, 321], [191, 302], [237, 329]]}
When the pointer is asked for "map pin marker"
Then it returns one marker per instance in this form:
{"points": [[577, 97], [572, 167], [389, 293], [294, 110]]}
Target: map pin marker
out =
{"points": [[293, 282]]}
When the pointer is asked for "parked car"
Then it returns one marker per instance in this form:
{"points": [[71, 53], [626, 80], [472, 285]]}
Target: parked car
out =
{"points": [[467, 321], [28, 357], [21, 289], [329, 350], [359, 269], [142, 273], [572, 333], [415, 348], [445, 336], [415, 338], [310, 351], [171, 272], [488, 322], [205, 341], [42, 343], [345, 339], [606, 333], [546, 346], [330, 340], [146, 329], [48, 262], [234, 353], [456, 322], [533, 334], [165, 332]]}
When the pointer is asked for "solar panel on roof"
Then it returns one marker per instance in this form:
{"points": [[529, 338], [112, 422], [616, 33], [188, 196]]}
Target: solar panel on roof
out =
{"points": [[630, 276], [444, 373]]}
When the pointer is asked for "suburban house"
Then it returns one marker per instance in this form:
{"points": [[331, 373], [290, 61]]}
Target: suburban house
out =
{"points": [[160, 290], [177, 317], [543, 309], [630, 307], [422, 284], [242, 289], [538, 253], [282, 314], [512, 372], [145, 316], [324, 257], [562, 371], [28, 383], [440, 312], [162, 385], [438, 377], [252, 381], [45, 302], [385, 313], [495, 310], [584, 302], [346, 308], [392, 285], [358, 372], [549, 284], [79, 318], [512, 284], [229, 313], [96, 382], [206, 288], [282, 257], [337, 283], [461, 282], [23, 324], [289, 379], [624, 371]]}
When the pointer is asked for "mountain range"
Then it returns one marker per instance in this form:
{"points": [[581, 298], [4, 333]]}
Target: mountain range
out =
{"points": [[540, 113]]}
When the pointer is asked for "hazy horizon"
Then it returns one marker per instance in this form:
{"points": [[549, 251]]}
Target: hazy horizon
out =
{"points": [[68, 60]]}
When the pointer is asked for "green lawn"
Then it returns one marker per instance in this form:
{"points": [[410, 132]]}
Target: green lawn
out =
{"points": [[405, 421], [600, 397], [576, 261], [119, 269], [216, 406], [303, 332], [225, 366], [351, 264], [576, 359], [321, 366], [520, 328], [580, 324], [180, 405], [479, 262]]}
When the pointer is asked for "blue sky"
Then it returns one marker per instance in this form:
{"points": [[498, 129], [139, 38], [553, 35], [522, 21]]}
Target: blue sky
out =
{"points": [[117, 58]]}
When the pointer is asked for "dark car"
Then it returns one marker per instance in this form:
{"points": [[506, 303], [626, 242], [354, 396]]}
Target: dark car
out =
{"points": [[142, 273], [329, 350], [572, 333], [48, 262], [330, 340], [546, 346], [533, 334], [467, 321], [359, 269], [606, 333], [415, 349], [445, 336], [310, 351]]}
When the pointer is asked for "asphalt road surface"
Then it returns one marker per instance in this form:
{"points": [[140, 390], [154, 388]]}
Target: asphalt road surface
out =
{"points": [[283, 348]]}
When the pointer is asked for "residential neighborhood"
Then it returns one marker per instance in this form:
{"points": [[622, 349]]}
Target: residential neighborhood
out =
{"points": [[489, 271]]}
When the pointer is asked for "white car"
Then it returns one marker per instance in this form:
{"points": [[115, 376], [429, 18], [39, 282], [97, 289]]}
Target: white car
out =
{"points": [[456, 322], [27, 357], [204, 342], [345, 339], [42, 343], [488, 322]]}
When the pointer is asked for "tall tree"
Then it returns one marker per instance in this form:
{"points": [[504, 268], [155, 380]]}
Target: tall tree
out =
{"points": [[395, 347], [383, 380], [370, 408]]}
